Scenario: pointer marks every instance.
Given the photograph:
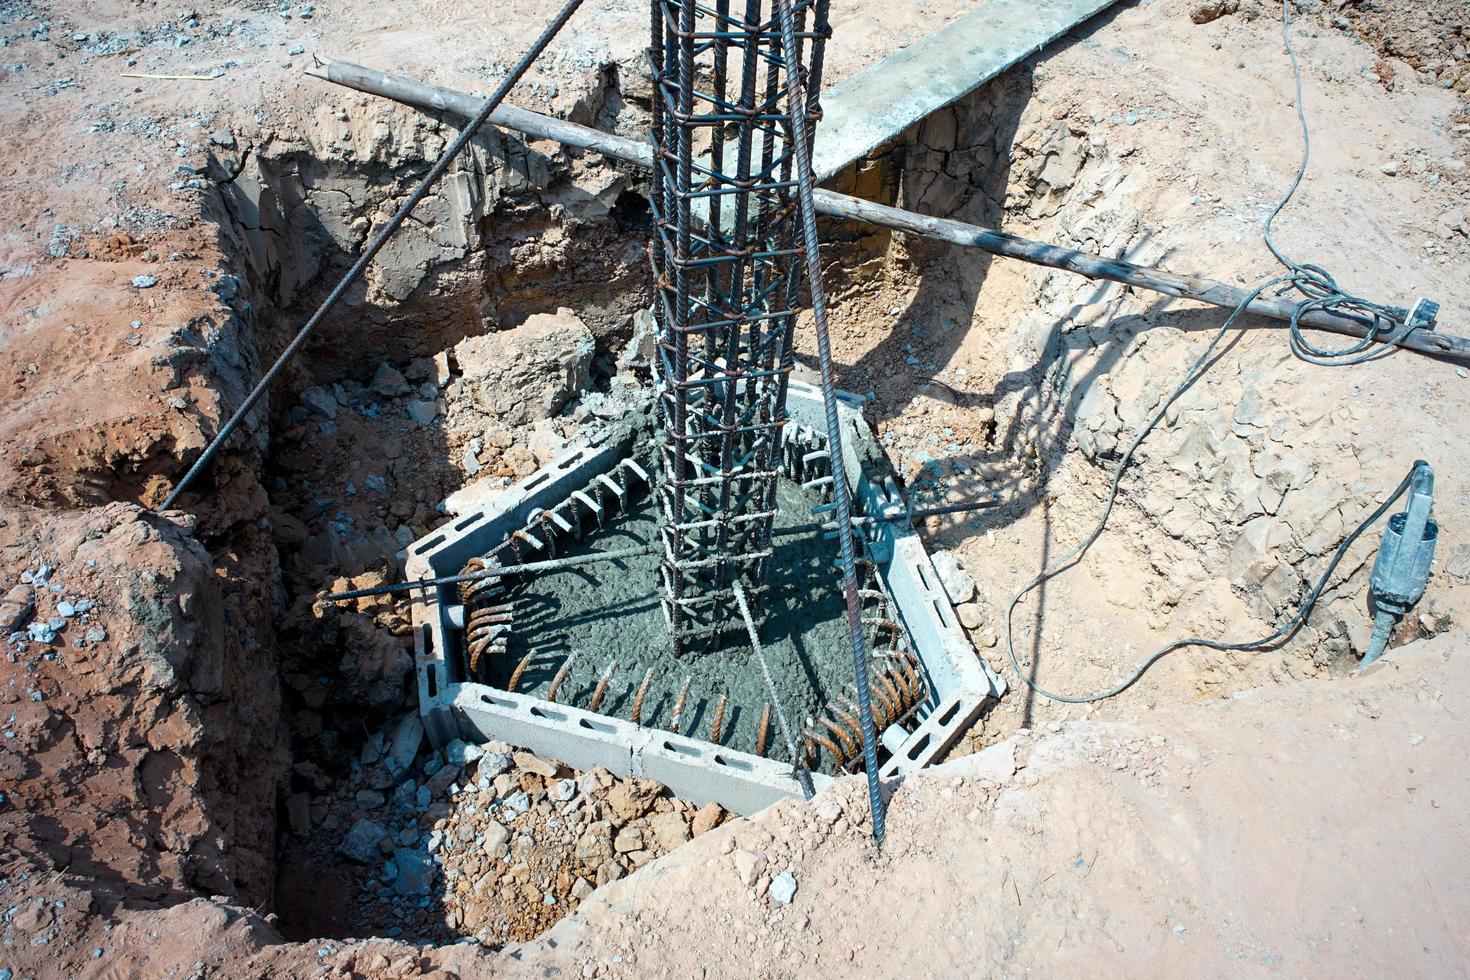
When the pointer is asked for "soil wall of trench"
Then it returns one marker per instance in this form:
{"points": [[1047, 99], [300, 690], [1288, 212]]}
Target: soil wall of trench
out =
{"points": [[154, 744], [515, 230]]}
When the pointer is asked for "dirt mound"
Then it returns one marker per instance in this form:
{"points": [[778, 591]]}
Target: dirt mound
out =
{"points": [[127, 757], [1112, 849]]}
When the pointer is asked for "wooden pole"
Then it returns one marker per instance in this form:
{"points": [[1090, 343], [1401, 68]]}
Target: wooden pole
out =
{"points": [[437, 98]]}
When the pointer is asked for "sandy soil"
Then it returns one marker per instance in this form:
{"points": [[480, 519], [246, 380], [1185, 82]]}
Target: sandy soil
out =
{"points": [[152, 743]]}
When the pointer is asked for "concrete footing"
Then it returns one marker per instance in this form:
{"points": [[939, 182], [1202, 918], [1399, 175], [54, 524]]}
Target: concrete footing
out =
{"points": [[453, 706]]}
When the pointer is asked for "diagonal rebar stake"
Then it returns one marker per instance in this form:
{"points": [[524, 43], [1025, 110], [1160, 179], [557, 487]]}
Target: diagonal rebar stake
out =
{"points": [[803, 777], [360, 266], [799, 119]]}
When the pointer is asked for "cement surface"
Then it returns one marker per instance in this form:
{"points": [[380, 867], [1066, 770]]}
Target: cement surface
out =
{"points": [[866, 110], [607, 612]]}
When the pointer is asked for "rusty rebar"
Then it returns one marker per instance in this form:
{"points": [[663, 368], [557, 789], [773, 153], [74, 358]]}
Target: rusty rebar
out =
{"points": [[636, 715], [718, 721], [816, 738], [679, 704], [561, 676], [763, 731], [601, 689], [851, 747], [515, 675]]}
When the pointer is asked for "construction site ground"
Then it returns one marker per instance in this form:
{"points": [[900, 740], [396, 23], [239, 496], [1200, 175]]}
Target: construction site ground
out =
{"points": [[206, 770]]}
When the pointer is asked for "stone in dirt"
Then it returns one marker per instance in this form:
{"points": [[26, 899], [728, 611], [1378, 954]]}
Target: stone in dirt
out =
{"points": [[442, 374], [389, 383], [595, 845], [669, 829], [492, 764], [443, 779], [422, 411], [707, 817], [403, 747], [17, 606], [320, 400], [519, 376], [415, 871], [363, 841], [629, 839], [535, 764], [461, 753], [958, 584], [748, 866], [494, 839], [783, 888], [609, 871], [1203, 13], [404, 796], [630, 798]]}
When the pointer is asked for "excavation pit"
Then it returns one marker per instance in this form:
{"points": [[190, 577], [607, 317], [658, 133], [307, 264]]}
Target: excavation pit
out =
{"points": [[522, 657]]}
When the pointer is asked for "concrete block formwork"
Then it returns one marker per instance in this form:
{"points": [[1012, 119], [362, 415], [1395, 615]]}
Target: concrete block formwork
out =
{"points": [[454, 705]]}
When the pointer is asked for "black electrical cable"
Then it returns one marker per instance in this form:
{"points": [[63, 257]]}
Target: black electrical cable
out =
{"points": [[1322, 293], [1281, 635], [1390, 324]]}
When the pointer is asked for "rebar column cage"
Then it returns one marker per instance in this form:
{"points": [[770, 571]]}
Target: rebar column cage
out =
{"points": [[726, 259]]}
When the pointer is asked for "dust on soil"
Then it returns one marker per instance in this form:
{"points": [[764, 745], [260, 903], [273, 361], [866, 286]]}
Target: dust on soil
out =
{"points": [[185, 733]]}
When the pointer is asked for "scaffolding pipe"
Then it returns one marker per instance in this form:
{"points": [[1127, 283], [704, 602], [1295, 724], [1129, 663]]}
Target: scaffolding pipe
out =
{"points": [[1197, 288]]}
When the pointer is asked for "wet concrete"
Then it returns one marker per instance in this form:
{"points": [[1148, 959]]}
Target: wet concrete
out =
{"points": [[610, 611]]}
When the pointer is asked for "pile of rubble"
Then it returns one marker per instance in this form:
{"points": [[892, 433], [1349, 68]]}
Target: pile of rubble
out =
{"points": [[59, 607], [482, 842]]}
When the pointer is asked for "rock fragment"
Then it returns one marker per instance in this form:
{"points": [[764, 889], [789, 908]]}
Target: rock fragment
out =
{"points": [[706, 818], [1210, 10], [17, 607], [363, 842], [529, 373], [403, 747], [388, 382], [783, 888], [415, 871], [320, 400], [958, 584]]}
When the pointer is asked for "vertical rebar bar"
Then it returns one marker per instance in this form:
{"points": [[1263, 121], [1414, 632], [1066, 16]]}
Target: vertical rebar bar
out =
{"points": [[800, 114]]}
